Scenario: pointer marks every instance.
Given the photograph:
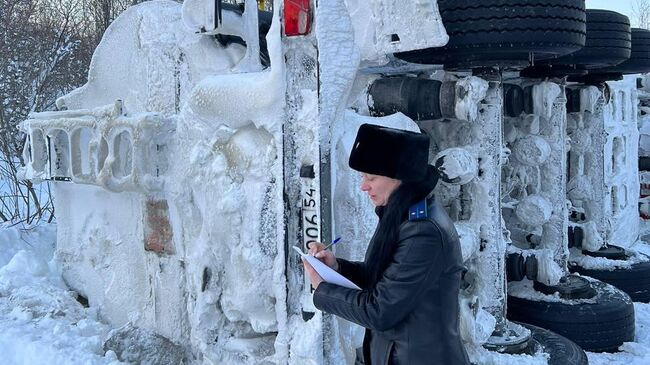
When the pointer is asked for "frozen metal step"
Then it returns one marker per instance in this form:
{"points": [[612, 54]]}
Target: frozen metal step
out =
{"points": [[102, 146]]}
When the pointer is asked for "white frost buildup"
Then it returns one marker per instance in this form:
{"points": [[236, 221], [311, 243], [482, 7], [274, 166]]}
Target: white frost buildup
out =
{"points": [[534, 210], [212, 100], [219, 287], [469, 92], [544, 95], [579, 189], [524, 289], [475, 328], [644, 134], [600, 263], [227, 201], [621, 180], [199, 16], [338, 59], [395, 26], [479, 355], [102, 146], [531, 150], [149, 59], [581, 141], [548, 271], [457, 165], [588, 98], [470, 240], [593, 240]]}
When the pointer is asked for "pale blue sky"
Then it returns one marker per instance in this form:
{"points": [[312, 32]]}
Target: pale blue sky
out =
{"points": [[620, 6]]}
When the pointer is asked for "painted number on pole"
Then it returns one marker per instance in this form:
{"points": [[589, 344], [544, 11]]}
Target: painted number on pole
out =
{"points": [[310, 219], [310, 216], [310, 199]]}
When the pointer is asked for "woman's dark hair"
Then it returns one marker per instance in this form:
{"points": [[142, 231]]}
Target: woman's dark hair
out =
{"points": [[393, 214]]}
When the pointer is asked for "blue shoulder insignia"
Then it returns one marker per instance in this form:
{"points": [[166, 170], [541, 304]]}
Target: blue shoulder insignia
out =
{"points": [[418, 211]]}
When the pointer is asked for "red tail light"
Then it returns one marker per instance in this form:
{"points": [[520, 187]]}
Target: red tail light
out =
{"points": [[297, 17]]}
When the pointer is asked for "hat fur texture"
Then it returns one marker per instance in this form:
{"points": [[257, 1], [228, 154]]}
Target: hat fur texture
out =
{"points": [[390, 152]]}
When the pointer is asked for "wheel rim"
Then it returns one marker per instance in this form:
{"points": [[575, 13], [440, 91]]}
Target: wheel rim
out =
{"points": [[569, 287], [609, 252]]}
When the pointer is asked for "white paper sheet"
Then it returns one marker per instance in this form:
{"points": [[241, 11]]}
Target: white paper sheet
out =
{"points": [[326, 272]]}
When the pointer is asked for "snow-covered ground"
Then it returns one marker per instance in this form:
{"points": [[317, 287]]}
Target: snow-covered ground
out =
{"points": [[42, 322]]}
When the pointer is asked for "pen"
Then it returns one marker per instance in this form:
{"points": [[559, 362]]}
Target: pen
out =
{"points": [[333, 243]]}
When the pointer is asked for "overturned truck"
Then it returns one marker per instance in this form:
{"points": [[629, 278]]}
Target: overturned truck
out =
{"points": [[211, 136]]}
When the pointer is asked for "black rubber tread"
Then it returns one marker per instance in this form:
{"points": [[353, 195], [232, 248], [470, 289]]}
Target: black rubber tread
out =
{"points": [[611, 35], [600, 324], [641, 284], [644, 163], [505, 32], [642, 296], [641, 34], [456, 5], [610, 27], [592, 338], [503, 15], [641, 41], [456, 22], [635, 280], [639, 61], [515, 263], [637, 295], [608, 43], [417, 98], [597, 77], [611, 252], [636, 272], [596, 16], [560, 349], [570, 287]]}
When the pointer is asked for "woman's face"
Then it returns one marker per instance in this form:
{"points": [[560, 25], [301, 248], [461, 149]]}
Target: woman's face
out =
{"points": [[378, 187]]}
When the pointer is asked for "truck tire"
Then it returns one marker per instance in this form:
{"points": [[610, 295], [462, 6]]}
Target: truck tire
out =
{"points": [[639, 61], [494, 33], [602, 323], [561, 350], [634, 280], [609, 41]]}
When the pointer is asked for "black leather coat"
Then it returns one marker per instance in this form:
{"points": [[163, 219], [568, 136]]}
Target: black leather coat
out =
{"points": [[411, 314]]}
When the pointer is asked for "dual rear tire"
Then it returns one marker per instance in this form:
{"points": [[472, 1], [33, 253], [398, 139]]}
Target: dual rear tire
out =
{"points": [[599, 324], [505, 33]]}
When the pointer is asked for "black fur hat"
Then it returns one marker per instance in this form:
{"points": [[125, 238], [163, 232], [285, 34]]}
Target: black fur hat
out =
{"points": [[395, 153]]}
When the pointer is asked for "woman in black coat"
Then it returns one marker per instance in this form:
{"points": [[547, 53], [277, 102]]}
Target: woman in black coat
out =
{"points": [[411, 274]]}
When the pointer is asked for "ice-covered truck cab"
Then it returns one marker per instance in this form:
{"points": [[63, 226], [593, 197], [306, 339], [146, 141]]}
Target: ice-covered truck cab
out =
{"points": [[171, 214]]}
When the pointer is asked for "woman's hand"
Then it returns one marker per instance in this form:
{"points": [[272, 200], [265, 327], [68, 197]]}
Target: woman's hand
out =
{"points": [[313, 275], [318, 250]]}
